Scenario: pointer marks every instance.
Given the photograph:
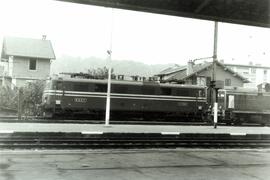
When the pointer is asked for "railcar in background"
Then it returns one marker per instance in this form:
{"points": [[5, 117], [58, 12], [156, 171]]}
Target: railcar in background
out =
{"points": [[74, 97], [244, 105]]}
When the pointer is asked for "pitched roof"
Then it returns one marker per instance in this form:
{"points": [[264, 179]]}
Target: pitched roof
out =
{"points": [[26, 47], [171, 70], [196, 68], [248, 66], [182, 74]]}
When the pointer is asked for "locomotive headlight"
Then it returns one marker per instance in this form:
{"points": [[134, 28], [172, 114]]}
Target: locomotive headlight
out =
{"points": [[57, 101], [200, 107]]}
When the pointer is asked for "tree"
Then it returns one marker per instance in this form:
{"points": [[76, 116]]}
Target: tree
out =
{"points": [[100, 73], [32, 97]]}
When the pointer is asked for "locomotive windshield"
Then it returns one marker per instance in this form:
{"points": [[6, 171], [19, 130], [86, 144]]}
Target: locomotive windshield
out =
{"points": [[48, 85]]}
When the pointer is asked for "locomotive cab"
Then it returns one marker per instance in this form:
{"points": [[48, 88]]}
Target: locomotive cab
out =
{"points": [[226, 106], [51, 98], [245, 105]]}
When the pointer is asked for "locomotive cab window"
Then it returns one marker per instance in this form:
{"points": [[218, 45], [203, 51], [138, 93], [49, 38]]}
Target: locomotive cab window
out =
{"points": [[59, 85], [201, 93], [48, 85]]}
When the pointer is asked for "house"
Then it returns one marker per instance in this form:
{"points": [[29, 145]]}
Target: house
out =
{"points": [[200, 74], [26, 59], [256, 74]]}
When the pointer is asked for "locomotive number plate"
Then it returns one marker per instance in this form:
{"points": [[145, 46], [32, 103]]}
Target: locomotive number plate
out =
{"points": [[80, 100]]}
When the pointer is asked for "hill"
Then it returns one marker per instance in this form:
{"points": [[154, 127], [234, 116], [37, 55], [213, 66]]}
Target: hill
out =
{"points": [[125, 67]]}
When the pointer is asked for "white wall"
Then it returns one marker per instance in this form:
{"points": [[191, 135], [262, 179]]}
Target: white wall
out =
{"points": [[255, 78]]}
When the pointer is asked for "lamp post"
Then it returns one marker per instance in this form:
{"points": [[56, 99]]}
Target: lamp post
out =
{"points": [[108, 99], [214, 92]]}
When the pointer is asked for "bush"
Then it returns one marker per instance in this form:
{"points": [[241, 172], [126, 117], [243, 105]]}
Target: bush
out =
{"points": [[30, 97], [8, 98]]}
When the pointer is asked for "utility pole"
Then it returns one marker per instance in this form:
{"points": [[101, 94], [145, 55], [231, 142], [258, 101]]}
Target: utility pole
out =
{"points": [[108, 99], [20, 104], [214, 91]]}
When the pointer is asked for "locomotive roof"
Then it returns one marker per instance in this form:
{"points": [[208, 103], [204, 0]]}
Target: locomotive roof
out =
{"points": [[149, 83], [245, 90]]}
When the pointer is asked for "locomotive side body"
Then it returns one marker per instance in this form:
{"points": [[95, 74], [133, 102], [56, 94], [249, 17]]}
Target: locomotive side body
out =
{"points": [[139, 99], [245, 106]]}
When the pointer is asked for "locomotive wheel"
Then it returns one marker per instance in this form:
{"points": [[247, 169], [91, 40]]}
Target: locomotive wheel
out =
{"points": [[228, 123], [238, 122]]}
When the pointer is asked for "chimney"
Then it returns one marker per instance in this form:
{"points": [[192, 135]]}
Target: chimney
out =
{"points": [[190, 67], [44, 37]]}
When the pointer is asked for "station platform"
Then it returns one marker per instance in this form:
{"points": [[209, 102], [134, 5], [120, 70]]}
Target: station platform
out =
{"points": [[63, 136], [100, 129]]}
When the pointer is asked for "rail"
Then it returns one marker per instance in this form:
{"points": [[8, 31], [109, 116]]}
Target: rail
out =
{"points": [[39, 140]]}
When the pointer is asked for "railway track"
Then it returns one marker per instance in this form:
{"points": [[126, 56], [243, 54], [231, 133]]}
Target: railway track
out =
{"points": [[140, 122], [34, 140], [127, 122]]}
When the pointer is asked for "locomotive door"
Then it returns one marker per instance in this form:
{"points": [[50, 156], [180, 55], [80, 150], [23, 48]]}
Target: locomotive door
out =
{"points": [[58, 96], [230, 101], [221, 98]]}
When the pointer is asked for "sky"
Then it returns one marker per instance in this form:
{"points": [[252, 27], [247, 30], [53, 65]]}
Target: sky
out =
{"points": [[85, 31]]}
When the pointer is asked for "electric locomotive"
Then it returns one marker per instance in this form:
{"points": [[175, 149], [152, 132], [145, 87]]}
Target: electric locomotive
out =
{"points": [[71, 97]]}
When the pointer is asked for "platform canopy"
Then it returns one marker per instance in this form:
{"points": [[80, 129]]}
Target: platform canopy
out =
{"points": [[247, 12]]}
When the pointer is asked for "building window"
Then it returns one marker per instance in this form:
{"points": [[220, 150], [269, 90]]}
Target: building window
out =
{"points": [[253, 70], [33, 64], [252, 79], [265, 72], [201, 81], [228, 82]]}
